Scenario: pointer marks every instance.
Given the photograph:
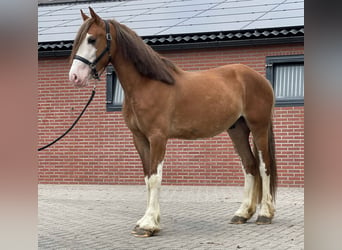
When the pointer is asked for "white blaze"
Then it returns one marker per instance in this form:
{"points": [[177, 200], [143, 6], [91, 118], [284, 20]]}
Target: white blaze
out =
{"points": [[79, 72]]}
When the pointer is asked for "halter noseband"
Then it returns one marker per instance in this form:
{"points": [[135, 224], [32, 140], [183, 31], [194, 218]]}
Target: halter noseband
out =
{"points": [[92, 65]]}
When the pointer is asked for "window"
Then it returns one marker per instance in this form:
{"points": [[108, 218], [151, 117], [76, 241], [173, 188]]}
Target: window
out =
{"points": [[286, 74], [114, 93]]}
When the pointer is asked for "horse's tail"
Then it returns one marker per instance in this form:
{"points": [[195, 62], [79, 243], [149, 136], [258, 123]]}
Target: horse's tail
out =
{"points": [[273, 168], [273, 164]]}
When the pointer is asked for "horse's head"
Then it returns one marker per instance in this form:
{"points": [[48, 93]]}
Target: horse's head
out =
{"points": [[92, 49]]}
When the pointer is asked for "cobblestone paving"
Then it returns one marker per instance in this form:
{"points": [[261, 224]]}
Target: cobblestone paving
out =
{"points": [[101, 217]]}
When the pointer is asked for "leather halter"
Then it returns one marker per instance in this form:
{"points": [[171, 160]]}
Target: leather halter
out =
{"points": [[92, 65]]}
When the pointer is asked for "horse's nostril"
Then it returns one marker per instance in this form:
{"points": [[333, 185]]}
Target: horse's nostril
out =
{"points": [[74, 77]]}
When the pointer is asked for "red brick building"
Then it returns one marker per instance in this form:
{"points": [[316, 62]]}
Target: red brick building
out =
{"points": [[99, 150]]}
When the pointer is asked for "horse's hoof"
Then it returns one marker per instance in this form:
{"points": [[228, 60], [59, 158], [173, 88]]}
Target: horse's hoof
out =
{"points": [[143, 233], [135, 229], [263, 220], [238, 220]]}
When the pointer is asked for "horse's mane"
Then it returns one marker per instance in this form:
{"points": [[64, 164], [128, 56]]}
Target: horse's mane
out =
{"points": [[146, 61]]}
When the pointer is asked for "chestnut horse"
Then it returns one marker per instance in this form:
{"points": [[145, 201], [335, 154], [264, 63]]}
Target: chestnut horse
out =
{"points": [[162, 101]]}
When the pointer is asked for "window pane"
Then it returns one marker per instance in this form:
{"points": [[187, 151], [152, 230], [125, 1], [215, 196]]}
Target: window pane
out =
{"points": [[289, 81], [114, 92], [118, 93]]}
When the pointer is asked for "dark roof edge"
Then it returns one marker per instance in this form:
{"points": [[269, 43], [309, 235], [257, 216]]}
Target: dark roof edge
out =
{"points": [[231, 43], [198, 40]]}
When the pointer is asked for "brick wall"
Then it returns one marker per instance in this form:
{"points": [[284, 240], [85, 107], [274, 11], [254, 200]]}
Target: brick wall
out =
{"points": [[99, 150]]}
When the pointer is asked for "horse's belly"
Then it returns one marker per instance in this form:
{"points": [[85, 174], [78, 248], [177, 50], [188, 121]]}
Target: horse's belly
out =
{"points": [[193, 134], [201, 127]]}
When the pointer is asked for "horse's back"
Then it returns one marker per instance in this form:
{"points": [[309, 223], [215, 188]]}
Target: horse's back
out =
{"points": [[246, 76]]}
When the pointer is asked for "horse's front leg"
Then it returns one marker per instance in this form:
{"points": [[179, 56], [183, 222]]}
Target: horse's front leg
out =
{"points": [[149, 224]]}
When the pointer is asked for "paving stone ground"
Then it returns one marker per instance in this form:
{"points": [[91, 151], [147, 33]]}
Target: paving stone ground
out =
{"points": [[192, 217]]}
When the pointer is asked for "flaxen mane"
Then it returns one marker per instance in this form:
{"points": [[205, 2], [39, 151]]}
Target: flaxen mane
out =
{"points": [[146, 61]]}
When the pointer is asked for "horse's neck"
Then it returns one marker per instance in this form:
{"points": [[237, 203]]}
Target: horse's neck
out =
{"points": [[129, 77]]}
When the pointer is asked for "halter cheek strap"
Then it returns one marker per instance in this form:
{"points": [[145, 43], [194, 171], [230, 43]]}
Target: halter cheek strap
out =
{"points": [[92, 65]]}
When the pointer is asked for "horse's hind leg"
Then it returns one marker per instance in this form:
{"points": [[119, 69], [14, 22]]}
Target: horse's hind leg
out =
{"points": [[239, 133], [264, 150]]}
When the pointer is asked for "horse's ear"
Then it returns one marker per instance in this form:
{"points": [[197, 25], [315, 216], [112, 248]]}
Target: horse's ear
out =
{"points": [[84, 16], [94, 15]]}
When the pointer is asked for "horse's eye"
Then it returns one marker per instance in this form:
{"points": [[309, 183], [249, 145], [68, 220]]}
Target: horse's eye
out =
{"points": [[91, 40]]}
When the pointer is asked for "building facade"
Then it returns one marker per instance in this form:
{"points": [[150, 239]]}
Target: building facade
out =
{"points": [[100, 150]]}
